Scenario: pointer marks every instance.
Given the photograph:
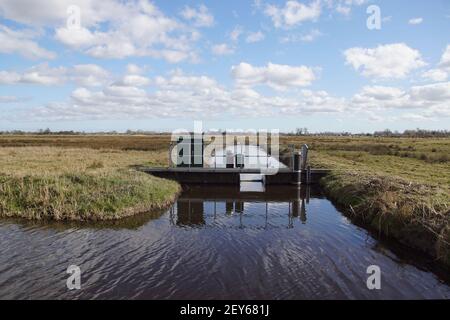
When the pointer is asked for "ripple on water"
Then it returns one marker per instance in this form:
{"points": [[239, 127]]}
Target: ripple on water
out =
{"points": [[228, 245]]}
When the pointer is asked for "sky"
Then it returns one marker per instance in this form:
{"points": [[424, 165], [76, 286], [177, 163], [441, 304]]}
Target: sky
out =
{"points": [[327, 65]]}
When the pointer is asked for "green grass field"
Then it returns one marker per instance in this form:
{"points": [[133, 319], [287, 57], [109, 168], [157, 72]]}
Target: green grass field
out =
{"points": [[418, 160]]}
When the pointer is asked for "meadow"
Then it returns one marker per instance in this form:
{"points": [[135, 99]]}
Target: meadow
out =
{"points": [[422, 160], [67, 183]]}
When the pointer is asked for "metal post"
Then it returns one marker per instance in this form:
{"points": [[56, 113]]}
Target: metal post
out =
{"points": [[170, 155], [308, 175], [303, 212], [304, 156], [296, 168]]}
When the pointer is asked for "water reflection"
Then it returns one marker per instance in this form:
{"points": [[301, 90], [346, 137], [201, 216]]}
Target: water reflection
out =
{"points": [[199, 206]]}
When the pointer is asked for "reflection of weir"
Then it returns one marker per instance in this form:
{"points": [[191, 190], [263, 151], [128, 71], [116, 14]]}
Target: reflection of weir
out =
{"points": [[192, 206], [190, 213]]}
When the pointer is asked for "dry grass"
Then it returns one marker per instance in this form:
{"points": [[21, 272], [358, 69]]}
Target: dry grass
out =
{"points": [[38, 161], [375, 156], [397, 186], [79, 184], [417, 215], [119, 142]]}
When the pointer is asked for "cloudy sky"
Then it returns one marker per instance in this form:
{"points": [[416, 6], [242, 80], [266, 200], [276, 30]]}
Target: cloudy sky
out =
{"points": [[329, 65]]}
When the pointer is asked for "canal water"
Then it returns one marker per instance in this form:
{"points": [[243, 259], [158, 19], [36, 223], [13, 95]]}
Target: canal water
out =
{"points": [[214, 243]]}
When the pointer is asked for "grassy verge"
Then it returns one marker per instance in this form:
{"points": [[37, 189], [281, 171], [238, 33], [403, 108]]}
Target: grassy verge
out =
{"points": [[416, 215], [399, 187], [79, 184]]}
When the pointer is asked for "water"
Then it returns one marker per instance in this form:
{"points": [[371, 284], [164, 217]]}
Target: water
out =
{"points": [[214, 243]]}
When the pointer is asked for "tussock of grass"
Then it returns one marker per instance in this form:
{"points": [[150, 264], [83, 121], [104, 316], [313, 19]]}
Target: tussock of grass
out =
{"points": [[417, 215], [78, 184]]}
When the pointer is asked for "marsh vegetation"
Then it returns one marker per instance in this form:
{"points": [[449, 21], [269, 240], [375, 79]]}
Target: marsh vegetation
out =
{"points": [[79, 183], [399, 187]]}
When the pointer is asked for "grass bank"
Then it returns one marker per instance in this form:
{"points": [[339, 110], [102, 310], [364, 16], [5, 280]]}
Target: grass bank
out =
{"points": [[79, 184], [399, 187], [416, 215]]}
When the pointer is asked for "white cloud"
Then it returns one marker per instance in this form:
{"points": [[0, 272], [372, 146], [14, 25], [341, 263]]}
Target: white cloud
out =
{"points": [[344, 7], [8, 99], [204, 97], [296, 12], [9, 77], [128, 36], [134, 80], [310, 102], [37, 78], [43, 74], [307, 37], [311, 36], [76, 38], [222, 49], [201, 16], [432, 101], [437, 92], [380, 97], [343, 10], [385, 61], [35, 13], [293, 13], [112, 28], [21, 42], [382, 92], [442, 71], [179, 81], [54, 12], [201, 96], [415, 21], [435, 75], [236, 33], [445, 59], [253, 37], [133, 69], [89, 75], [279, 77]]}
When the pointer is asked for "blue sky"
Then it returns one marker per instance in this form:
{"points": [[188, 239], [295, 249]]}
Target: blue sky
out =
{"points": [[160, 65]]}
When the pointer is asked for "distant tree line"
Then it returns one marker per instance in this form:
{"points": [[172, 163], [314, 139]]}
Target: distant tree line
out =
{"points": [[72, 132], [417, 133]]}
